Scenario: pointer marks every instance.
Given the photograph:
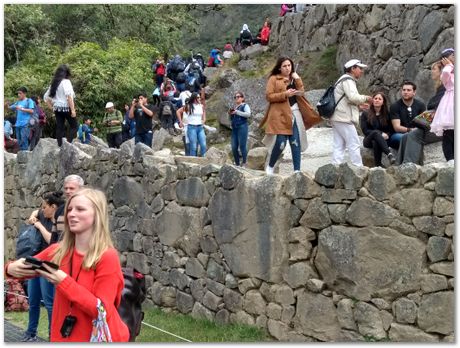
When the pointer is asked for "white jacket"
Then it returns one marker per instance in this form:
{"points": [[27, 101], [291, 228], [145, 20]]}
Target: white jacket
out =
{"points": [[347, 110]]}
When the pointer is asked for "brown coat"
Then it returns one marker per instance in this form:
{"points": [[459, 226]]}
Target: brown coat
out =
{"points": [[278, 117]]}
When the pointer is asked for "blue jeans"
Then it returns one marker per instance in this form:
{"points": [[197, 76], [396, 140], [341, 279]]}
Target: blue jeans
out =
{"points": [[196, 136], [145, 138], [39, 288], [239, 142], [395, 140], [280, 144], [22, 134]]}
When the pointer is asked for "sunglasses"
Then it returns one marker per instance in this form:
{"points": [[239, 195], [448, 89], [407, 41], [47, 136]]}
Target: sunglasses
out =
{"points": [[238, 96]]}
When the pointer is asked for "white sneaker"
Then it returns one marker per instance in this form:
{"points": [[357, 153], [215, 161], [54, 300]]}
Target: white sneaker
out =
{"points": [[451, 162], [269, 170]]}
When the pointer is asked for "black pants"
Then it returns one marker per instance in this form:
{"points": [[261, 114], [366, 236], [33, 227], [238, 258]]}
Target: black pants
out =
{"points": [[61, 116], [448, 144], [114, 139], [374, 140]]}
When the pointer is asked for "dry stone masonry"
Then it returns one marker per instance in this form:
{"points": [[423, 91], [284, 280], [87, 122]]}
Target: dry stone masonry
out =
{"points": [[351, 254]]}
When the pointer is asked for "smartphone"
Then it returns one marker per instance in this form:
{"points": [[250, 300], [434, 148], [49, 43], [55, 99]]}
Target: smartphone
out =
{"points": [[38, 264]]}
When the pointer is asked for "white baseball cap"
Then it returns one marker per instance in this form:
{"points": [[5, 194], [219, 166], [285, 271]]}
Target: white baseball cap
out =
{"points": [[109, 105], [354, 62]]}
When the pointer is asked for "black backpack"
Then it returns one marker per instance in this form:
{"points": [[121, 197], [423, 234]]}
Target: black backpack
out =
{"points": [[29, 241], [327, 104], [167, 109], [132, 296], [181, 77]]}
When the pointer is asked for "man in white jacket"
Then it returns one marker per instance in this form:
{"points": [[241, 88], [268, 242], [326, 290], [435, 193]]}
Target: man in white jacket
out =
{"points": [[346, 114]]}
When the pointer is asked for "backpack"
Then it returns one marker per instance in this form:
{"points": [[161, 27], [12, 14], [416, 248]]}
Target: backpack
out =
{"points": [[177, 64], [327, 104], [180, 78], [160, 70], [15, 298], [29, 241], [34, 120], [132, 296], [246, 35], [41, 116], [167, 109], [211, 62]]}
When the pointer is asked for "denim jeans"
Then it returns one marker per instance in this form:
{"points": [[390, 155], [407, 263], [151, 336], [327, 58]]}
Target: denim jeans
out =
{"points": [[239, 142], [22, 134], [39, 288], [280, 144], [395, 140], [196, 136], [145, 138]]}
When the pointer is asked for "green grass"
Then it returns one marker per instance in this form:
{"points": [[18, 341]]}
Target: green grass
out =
{"points": [[195, 330]]}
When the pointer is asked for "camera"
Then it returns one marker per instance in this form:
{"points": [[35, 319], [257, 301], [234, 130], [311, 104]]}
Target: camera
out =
{"points": [[68, 325]]}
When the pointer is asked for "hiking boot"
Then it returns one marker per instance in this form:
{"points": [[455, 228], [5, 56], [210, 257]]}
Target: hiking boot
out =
{"points": [[391, 158], [29, 338]]}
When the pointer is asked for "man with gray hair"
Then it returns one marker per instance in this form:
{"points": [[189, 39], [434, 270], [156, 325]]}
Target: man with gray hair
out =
{"points": [[72, 183]]}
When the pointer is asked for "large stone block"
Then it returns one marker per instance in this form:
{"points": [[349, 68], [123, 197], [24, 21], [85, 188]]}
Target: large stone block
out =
{"points": [[408, 333], [367, 212], [201, 312], [438, 248], [369, 320], [192, 192], [316, 215], [369, 262], [445, 181], [436, 312], [250, 224], [184, 302], [405, 311], [127, 191], [316, 316], [254, 303], [180, 226], [298, 274], [301, 185], [403, 201], [233, 300]]}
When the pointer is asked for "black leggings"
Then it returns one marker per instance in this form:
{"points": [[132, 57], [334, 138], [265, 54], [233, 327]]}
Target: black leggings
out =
{"points": [[61, 116], [448, 144], [374, 140]]}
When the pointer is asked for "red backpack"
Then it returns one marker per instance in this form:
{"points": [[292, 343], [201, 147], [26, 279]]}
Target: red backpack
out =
{"points": [[15, 297], [160, 70]]}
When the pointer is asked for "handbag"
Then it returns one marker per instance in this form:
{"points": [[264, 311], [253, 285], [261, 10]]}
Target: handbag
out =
{"points": [[100, 331], [424, 119]]}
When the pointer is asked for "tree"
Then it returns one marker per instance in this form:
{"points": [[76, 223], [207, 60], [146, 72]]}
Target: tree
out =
{"points": [[26, 26]]}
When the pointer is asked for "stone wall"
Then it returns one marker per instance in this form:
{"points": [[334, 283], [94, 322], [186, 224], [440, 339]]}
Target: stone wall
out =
{"points": [[397, 41], [351, 254]]}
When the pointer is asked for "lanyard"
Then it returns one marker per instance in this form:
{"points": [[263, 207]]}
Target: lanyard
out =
{"points": [[70, 273]]}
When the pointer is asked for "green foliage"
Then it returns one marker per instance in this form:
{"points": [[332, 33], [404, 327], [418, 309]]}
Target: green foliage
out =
{"points": [[26, 26], [317, 69], [98, 75]]}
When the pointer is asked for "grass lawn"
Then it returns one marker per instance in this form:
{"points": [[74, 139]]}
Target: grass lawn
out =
{"points": [[182, 325]]}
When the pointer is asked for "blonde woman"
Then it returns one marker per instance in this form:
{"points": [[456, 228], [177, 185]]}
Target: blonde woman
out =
{"points": [[89, 271]]}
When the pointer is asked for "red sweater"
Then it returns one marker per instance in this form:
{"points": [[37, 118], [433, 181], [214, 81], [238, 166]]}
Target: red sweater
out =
{"points": [[104, 282]]}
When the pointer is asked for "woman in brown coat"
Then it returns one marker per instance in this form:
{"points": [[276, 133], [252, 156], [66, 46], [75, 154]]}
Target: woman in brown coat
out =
{"points": [[289, 114]]}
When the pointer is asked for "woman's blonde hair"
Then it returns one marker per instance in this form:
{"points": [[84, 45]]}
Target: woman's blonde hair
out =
{"points": [[100, 240], [438, 82]]}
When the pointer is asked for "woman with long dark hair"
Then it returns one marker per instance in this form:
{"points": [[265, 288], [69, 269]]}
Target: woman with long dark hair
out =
{"points": [[239, 116], [195, 128], [39, 288], [60, 97], [376, 126], [289, 114]]}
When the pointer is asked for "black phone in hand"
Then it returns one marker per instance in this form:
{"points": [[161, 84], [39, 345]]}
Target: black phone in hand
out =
{"points": [[38, 264]]}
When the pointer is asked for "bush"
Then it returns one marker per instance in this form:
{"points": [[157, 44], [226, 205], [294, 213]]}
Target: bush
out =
{"points": [[98, 75]]}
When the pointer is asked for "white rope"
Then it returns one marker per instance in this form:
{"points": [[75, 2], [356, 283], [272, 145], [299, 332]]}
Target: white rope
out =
{"points": [[16, 294], [166, 332], [147, 324]]}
